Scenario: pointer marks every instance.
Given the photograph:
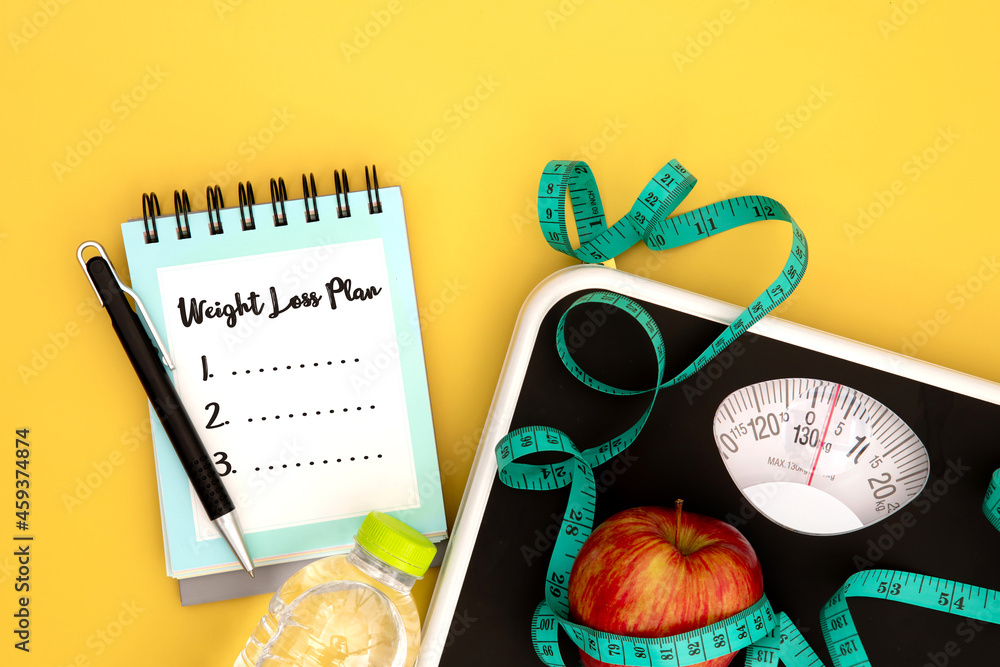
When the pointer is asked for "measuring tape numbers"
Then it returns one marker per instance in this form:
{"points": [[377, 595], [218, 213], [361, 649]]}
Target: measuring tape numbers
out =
{"points": [[841, 635], [750, 626]]}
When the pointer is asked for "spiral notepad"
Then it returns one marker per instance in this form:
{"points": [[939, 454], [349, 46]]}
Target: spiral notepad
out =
{"points": [[295, 333]]}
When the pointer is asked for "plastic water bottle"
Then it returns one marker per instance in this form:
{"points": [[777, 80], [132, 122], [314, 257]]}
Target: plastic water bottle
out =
{"points": [[349, 610]]}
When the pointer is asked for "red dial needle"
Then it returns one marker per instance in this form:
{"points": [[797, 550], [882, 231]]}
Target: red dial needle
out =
{"points": [[826, 428]]}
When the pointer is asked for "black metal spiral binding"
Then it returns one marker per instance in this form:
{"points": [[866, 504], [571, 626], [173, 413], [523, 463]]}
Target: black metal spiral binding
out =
{"points": [[377, 206], [345, 210], [150, 210], [278, 196], [216, 204], [246, 197], [182, 206], [311, 215]]}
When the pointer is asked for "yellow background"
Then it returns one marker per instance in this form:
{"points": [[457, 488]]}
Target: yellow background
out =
{"points": [[823, 106]]}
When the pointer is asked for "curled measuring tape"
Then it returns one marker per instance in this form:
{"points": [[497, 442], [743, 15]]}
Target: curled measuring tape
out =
{"points": [[648, 221], [769, 637]]}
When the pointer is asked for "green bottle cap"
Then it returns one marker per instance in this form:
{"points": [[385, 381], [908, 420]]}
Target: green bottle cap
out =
{"points": [[392, 541]]}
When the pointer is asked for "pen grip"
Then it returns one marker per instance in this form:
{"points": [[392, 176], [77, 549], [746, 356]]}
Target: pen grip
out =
{"points": [[196, 460]]}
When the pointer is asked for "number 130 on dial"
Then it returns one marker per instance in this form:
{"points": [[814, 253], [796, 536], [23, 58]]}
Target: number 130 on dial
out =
{"points": [[818, 457]]}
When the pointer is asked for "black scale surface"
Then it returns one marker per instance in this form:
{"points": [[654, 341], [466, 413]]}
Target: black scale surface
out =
{"points": [[676, 457]]}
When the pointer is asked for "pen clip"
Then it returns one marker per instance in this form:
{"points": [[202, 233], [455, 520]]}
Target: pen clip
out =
{"points": [[127, 290]]}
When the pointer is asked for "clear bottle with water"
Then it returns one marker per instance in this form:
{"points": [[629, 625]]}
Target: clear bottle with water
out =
{"points": [[349, 610]]}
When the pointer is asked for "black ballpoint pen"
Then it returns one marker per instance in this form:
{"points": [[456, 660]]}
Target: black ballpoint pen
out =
{"points": [[148, 363]]}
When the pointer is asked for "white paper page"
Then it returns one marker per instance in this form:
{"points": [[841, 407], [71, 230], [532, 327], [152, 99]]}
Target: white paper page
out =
{"points": [[302, 408]]}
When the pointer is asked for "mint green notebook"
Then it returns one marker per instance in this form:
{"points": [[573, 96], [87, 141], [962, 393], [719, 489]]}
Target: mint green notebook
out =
{"points": [[298, 356]]}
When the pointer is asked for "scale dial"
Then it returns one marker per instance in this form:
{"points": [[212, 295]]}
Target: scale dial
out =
{"points": [[818, 457]]}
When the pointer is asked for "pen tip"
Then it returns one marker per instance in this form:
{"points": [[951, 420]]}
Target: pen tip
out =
{"points": [[250, 572]]}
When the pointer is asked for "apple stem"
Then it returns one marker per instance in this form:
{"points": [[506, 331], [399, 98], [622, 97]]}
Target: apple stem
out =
{"points": [[679, 504]]}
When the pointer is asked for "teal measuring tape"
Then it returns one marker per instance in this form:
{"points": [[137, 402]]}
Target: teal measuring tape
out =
{"points": [[991, 504], [649, 221], [769, 637], [951, 597]]}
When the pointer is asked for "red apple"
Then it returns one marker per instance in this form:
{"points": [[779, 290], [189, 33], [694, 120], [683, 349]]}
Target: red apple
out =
{"points": [[639, 575]]}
